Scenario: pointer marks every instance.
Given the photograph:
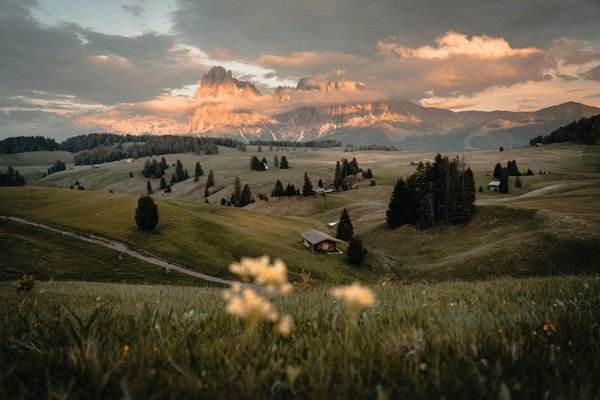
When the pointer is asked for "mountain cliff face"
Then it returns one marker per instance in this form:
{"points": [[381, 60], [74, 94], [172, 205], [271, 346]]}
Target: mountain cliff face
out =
{"points": [[398, 123]]}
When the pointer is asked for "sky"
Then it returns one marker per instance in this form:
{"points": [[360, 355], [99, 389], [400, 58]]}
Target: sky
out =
{"points": [[69, 66]]}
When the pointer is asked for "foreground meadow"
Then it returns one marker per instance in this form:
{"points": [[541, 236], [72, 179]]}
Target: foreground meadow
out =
{"points": [[504, 338]]}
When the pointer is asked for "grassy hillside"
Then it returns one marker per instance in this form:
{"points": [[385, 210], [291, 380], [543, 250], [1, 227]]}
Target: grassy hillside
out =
{"points": [[202, 237], [33, 164], [523, 339], [48, 256]]}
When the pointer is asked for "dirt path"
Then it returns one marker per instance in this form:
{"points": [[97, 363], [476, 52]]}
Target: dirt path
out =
{"points": [[123, 248], [537, 192]]}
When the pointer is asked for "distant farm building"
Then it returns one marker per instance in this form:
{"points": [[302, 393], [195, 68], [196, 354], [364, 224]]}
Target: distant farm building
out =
{"points": [[322, 191], [538, 144], [494, 186], [319, 242]]}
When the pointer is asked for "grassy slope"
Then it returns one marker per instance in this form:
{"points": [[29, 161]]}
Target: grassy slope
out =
{"points": [[32, 165], [48, 256], [525, 338], [202, 237]]}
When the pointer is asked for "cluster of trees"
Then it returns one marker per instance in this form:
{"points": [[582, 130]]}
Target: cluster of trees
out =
{"points": [[344, 169], [585, 131], [511, 169], [146, 214], [279, 191], [155, 169], [241, 196], [180, 174], [376, 147], [258, 165], [437, 193], [21, 144], [329, 143], [11, 178], [58, 166], [345, 231]]}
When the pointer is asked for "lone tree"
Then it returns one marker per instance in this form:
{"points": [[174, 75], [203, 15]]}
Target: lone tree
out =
{"points": [[210, 181], [149, 187], [345, 230], [320, 184], [278, 190], [237, 191], [356, 251], [338, 180], [146, 214], [276, 161], [245, 196], [163, 183], [307, 188], [198, 172], [283, 163]]}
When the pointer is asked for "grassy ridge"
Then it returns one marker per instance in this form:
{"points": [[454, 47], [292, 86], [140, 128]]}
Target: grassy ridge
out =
{"points": [[48, 256], [527, 338], [203, 237]]}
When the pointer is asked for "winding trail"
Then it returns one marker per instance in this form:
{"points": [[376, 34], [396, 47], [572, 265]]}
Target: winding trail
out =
{"points": [[537, 192], [123, 248]]}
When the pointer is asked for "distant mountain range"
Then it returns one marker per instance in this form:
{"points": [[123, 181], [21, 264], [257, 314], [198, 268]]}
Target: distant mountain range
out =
{"points": [[227, 110]]}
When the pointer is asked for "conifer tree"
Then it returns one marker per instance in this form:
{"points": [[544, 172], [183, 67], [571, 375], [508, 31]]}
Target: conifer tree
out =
{"points": [[320, 184], [345, 229], [198, 172], [146, 214], [149, 187], [210, 181], [245, 196], [163, 183], [163, 163], [338, 180], [179, 172], [278, 189], [503, 188], [368, 174], [518, 182], [356, 251], [307, 188], [402, 205], [131, 174], [497, 171], [276, 161], [237, 191], [283, 163]]}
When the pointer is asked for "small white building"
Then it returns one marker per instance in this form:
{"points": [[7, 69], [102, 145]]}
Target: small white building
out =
{"points": [[494, 186]]}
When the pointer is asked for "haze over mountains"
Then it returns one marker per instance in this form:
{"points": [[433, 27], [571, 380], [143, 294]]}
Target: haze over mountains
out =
{"points": [[340, 109]]}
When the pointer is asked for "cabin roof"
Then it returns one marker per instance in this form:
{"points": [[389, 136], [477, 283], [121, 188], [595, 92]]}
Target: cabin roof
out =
{"points": [[494, 183], [316, 237]]}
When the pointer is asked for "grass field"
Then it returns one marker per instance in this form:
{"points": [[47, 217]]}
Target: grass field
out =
{"points": [[505, 338]]}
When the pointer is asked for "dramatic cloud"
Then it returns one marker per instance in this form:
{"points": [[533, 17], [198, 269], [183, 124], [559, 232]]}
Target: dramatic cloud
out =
{"points": [[250, 28]]}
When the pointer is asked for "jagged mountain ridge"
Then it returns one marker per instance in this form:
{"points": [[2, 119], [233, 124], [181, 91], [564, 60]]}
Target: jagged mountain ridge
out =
{"points": [[398, 123]]}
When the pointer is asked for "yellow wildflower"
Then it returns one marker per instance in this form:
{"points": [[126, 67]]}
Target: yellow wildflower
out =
{"points": [[272, 276], [126, 350], [453, 306], [285, 326], [355, 296], [549, 328]]}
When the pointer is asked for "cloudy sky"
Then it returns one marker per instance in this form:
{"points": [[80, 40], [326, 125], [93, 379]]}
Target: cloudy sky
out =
{"points": [[66, 66]]}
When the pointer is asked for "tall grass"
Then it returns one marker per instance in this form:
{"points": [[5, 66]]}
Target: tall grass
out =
{"points": [[527, 338]]}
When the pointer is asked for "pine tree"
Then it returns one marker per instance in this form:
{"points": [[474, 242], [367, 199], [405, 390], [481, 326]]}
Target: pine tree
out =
{"points": [[131, 174], [149, 187], [210, 181], [163, 183], [245, 196], [503, 188], [163, 163], [307, 188], [356, 252], [402, 208], [290, 190], [198, 172], [469, 197], [278, 189], [344, 228], [338, 180], [283, 163], [368, 174], [345, 168], [276, 161], [206, 192], [146, 214], [179, 174], [320, 184], [518, 183], [237, 191], [259, 149], [497, 171]]}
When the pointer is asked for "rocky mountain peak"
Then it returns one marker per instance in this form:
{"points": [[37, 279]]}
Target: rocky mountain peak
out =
{"points": [[219, 81]]}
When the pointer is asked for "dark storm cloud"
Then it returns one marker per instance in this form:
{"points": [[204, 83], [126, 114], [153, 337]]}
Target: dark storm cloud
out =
{"points": [[67, 59], [251, 28]]}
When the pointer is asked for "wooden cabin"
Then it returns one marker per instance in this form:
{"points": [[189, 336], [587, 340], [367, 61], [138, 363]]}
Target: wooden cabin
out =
{"points": [[319, 242]]}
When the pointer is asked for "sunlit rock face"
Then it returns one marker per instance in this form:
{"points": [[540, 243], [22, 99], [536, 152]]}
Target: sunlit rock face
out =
{"points": [[226, 106], [219, 82]]}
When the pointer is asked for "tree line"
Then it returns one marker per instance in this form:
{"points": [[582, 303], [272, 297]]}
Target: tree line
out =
{"points": [[584, 131], [20, 144], [441, 192], [323, 144]]}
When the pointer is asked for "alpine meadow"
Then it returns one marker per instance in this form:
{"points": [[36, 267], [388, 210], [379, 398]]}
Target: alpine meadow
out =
{"points": [[279, 199]]}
